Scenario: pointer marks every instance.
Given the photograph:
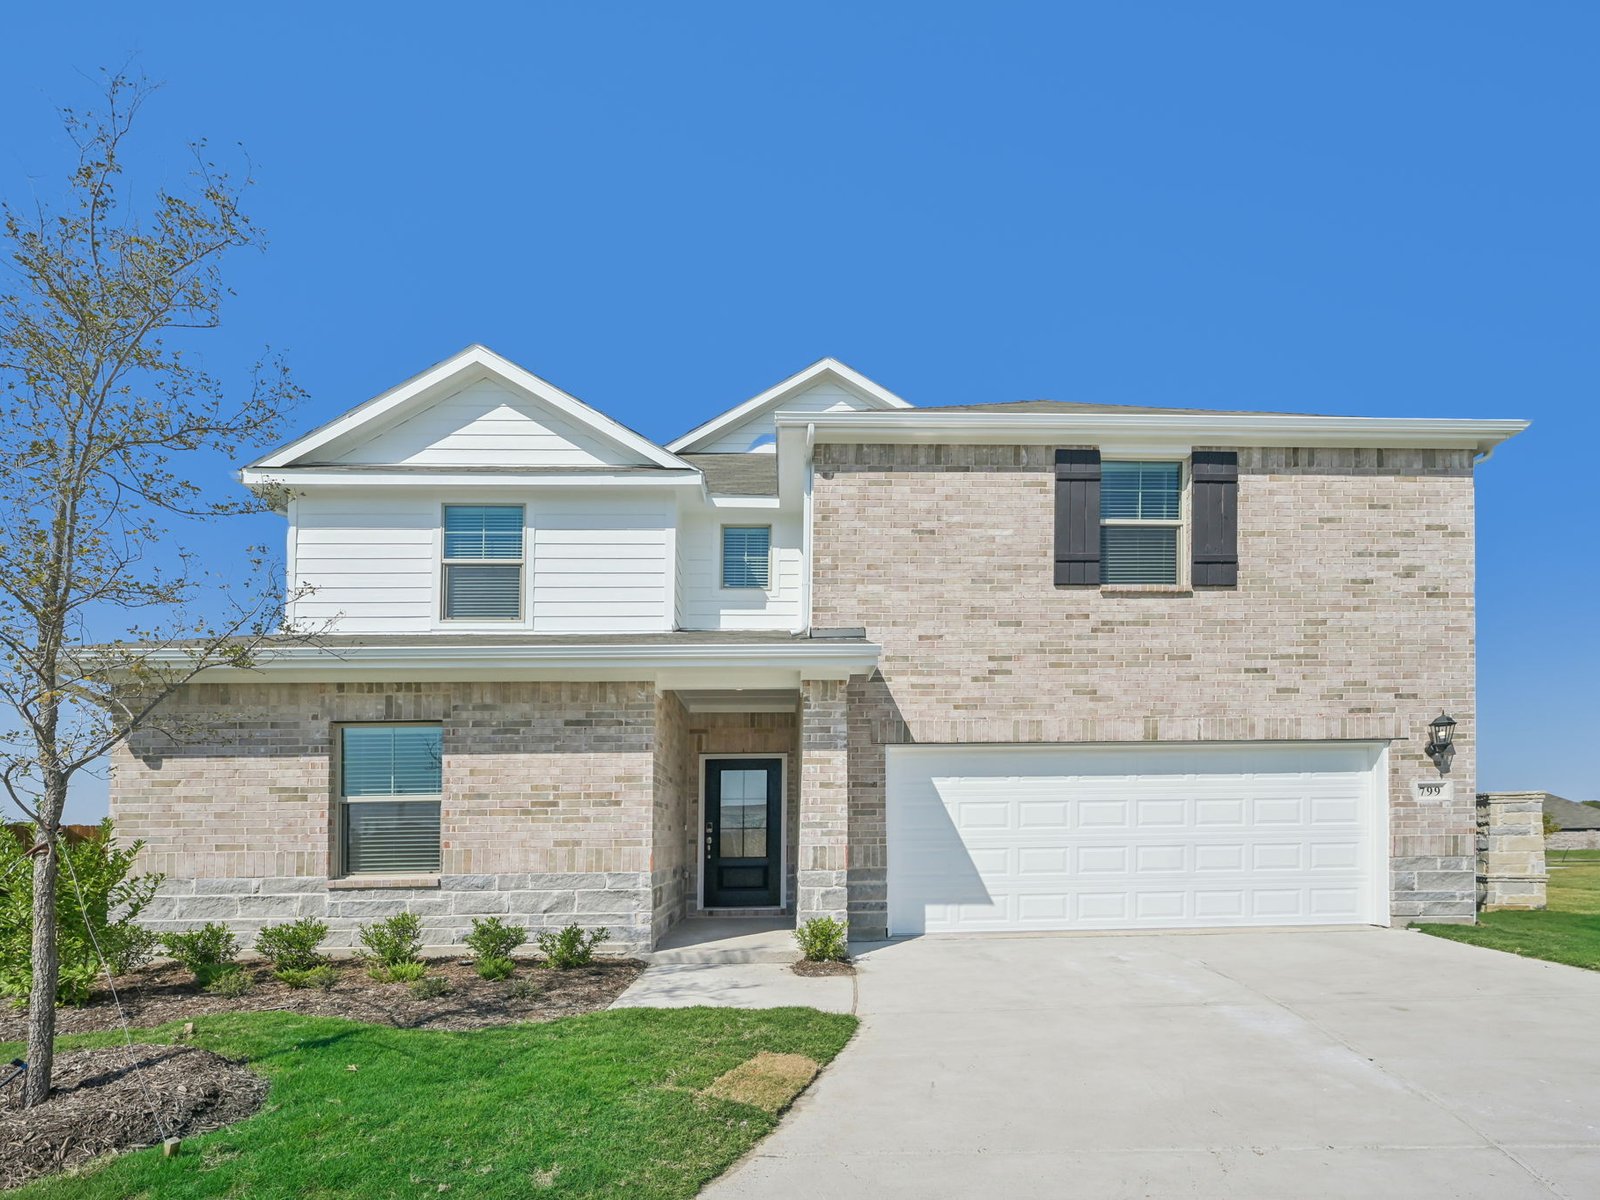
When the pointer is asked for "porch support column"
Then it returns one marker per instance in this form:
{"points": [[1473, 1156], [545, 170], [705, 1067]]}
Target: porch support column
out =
{"points": [[824, 841]]}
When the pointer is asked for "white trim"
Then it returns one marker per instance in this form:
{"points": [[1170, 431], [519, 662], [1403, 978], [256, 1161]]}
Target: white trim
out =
{"points": [[824, 368], [1150, 433], [301, 478], [783, 828], [474, 358]]}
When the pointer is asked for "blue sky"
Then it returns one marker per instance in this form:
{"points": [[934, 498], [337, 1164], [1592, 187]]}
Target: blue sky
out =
{"points": [[1357, 208]]}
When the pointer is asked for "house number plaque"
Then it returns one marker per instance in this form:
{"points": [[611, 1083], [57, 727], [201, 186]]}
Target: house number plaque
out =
{"points": [[1441, 791]]}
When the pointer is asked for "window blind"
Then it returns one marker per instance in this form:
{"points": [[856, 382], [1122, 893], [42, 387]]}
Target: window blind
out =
{"points": [[483, 531], [392, 760], [1138, 554], [391, 837], [378, 764], [483, 590], [746, 556], [1140, 491], [482, 593]]}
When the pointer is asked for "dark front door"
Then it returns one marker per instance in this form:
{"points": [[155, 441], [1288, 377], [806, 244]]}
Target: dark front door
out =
{"points": [[743, 798]]}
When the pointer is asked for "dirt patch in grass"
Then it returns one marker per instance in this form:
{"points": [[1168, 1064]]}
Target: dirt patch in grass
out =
{"points": [[166, 992], [768, 1081], [108, 1100], [807, 967]]}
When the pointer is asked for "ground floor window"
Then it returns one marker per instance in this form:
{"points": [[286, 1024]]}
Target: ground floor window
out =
{"points": [[390, 785]]}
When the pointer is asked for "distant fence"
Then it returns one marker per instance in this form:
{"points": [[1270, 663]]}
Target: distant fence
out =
{"points": [[75, 833]]}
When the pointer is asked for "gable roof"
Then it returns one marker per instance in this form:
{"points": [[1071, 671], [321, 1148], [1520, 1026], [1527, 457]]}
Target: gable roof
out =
{"points": [[873, 395], [752, 474], [1569, 814], [417, 393]]}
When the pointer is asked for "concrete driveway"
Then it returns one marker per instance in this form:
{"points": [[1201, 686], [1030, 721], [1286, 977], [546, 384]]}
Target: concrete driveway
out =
{"points": [[1361, 1063]]}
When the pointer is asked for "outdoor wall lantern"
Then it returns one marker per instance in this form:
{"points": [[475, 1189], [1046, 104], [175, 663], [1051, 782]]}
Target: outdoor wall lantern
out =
{"points": [[1441, 736]]}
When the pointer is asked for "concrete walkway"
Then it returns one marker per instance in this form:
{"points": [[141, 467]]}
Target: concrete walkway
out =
{"points": [[736, 985], [1364, 1063]]}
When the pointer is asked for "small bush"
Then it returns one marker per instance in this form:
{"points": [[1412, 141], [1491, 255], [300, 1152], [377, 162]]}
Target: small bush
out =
{"points": [[403, 972], [430, 987], [293, 946], [323, 976], [112, 901], [522, 990], [571, 947], [206, 952], [231, 982], [823, 939], [495, 968], [395, 941], [493, 938]]}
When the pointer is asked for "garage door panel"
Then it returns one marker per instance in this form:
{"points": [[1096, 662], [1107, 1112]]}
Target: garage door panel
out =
{"points": [[1043, 838]]}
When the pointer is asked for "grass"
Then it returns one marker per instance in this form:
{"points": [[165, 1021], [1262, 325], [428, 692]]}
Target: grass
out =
{"points": [[607, 1104], [1567, 931]]}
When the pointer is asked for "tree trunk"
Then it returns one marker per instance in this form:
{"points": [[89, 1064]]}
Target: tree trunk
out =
{"points": [[46, 961]]}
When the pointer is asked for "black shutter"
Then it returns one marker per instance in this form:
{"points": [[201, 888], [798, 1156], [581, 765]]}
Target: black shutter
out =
{"points": [[1215, 475], [1077, 518]]}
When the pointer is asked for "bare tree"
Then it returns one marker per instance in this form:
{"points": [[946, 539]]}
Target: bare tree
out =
{"points": [[100, 401]]}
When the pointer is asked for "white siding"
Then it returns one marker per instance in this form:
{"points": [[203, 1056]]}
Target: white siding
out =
{"points": [[370, 557], [488, 424], [595, 563], [705, 604], [756, 432]]}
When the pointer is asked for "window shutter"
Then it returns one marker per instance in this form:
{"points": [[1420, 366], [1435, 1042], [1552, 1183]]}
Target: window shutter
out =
{"points": [[1215, 476], [1077, 518]]}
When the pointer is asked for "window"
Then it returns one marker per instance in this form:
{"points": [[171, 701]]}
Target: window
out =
{"points": [[483, 562], [1141, 518], [746, 556], [389, 793]]}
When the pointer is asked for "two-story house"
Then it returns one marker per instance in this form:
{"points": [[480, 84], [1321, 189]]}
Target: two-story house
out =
{"points": [[1030, 666]]}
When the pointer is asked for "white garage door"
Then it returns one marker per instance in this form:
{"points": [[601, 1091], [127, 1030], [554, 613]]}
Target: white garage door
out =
{"points": [[1147, 837]]}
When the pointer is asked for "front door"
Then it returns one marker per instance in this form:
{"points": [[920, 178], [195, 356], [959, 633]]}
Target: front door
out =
{"points": [[743, 799]]}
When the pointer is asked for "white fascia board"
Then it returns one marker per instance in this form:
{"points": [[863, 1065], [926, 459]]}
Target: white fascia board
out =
{"points": [[473, 358], [303, 477], [825, 368], [718, 501], [1155, 431], [708, 662]]}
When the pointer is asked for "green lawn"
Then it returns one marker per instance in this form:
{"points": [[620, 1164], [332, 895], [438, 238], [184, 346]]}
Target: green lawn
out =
{"points": [[597, 1105], [1568, 931]]}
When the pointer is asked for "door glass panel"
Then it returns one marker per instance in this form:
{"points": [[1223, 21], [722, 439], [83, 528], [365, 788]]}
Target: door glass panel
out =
{"points": [[743, 814]]}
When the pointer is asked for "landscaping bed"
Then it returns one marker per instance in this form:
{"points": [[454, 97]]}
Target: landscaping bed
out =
{"points": [[805, 966], [166, 992], [121, 1098]]}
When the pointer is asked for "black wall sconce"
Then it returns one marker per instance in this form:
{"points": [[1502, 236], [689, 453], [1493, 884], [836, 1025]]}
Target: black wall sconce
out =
{"points": [[1441, 741]]}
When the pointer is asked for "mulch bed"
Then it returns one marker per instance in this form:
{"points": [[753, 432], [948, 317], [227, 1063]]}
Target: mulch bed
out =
{"points": [[806, 967], [166, 992], [108, 1100]]}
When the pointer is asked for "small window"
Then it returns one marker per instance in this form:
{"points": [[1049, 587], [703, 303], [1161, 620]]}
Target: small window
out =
{"points": [[746, 556], [390, 781], [1141, 522], [483, 562]]}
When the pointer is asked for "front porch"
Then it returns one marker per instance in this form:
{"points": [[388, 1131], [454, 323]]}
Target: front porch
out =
{"points": [[749, 818]]}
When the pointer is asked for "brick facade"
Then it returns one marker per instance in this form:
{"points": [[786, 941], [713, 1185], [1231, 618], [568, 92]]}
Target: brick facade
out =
{"points": [[1353, 618], [548, 814]]}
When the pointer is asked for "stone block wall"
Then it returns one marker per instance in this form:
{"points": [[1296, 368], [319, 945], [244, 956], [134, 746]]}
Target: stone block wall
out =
{"points": [[1511, 845], [1353, 619], [548, 815], [672, 863], [1573, 839]]}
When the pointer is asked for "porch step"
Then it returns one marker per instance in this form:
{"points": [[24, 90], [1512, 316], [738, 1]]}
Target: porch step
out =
{"points": [[719, 939], [716, 914]]}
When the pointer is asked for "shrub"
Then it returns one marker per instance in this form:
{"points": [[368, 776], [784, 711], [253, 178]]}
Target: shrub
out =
{"points": [[571, 947], [522, 990], [823, 939], [323, 976], [394, 941], [231, 982], [495, 968], [112, 901], [404, 972], [293, 946], [493, 938], [207, 952], [431, 987]]}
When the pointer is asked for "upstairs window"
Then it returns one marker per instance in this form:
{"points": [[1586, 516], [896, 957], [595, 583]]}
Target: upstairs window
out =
{"points": [[1141, 522], [483, 562], [390, 785], [747, 556]]}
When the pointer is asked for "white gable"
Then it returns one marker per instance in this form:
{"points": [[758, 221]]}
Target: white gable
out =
{"points": [[760, 431], [488, 423]]}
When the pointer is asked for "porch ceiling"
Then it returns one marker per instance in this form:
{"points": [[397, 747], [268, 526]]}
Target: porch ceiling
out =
{"points": [[735, 700]]}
